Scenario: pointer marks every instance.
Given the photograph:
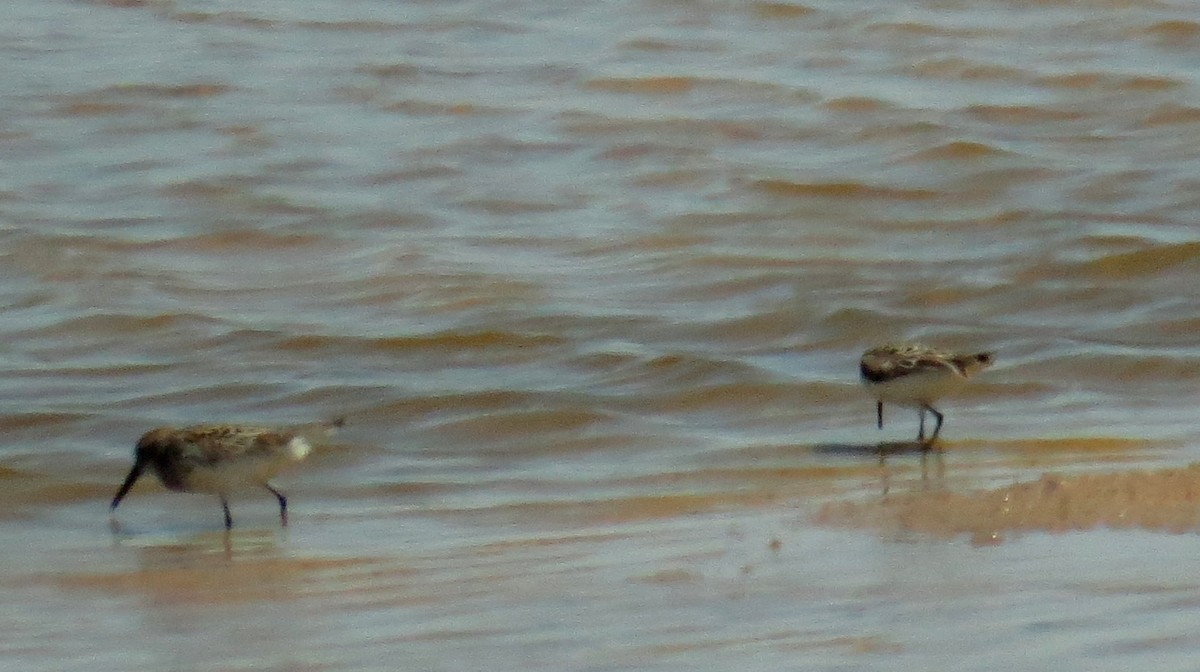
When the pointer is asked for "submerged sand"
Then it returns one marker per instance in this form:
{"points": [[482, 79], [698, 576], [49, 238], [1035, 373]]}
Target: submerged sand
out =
{"points": [[1160, 499]]}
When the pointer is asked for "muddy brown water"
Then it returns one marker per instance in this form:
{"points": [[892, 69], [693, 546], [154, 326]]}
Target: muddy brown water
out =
{"points": [[589, 282]]}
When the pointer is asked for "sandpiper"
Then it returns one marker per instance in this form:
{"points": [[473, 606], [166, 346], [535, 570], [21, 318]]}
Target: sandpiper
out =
{"points": [[914, 375], [219, 459]]}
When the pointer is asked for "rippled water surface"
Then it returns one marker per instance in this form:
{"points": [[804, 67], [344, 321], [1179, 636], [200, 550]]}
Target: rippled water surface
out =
{"points": [[589, 282]]}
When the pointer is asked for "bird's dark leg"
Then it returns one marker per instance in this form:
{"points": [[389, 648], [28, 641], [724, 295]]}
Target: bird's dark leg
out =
{"points": [[225, 508], [282, 504], [884, 475], [938, 427], [921, 429], [879, 413]]}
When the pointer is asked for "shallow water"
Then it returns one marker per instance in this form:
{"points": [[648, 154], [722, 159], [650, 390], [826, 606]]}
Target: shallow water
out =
{"points": [[589, 282]]}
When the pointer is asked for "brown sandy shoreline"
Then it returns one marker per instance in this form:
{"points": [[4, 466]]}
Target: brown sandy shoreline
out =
{"points": [[1166, 499]]}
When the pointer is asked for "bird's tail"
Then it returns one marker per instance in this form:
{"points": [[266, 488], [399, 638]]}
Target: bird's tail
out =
{"points": [[318, 433]]}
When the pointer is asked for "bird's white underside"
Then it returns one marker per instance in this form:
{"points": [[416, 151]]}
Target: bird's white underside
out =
{"points": [[917, 389], [246, 472]]}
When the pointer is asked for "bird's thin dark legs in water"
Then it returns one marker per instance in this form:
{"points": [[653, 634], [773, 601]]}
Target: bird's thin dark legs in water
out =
{"points": [[282, 505], [939, 466], [921, 429], [937, 414], [879, 414], [885, 478], [225, 508]]}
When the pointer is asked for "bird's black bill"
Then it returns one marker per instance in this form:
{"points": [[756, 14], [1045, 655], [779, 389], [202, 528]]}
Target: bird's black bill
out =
{"points": [[134, 473]]}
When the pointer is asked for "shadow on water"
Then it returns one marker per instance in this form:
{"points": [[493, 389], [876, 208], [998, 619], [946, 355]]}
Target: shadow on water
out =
{"points": [[872, 449], [882, 451], [227, 543]]}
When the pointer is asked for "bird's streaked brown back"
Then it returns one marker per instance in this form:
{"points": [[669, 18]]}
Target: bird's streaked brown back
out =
{"points": [[890, 362]]}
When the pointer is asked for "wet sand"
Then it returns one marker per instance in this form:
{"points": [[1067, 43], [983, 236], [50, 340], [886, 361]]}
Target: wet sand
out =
{"points": [[900, 563], [1158, 500]]}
